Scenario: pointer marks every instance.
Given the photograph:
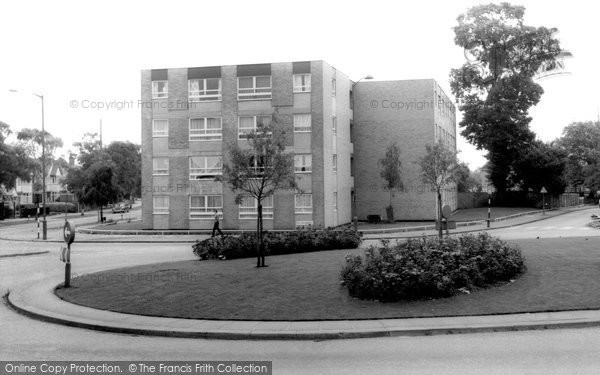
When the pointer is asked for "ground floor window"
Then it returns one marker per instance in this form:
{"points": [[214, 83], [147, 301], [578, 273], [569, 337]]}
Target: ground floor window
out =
{"points": [[160, 204], [203, 206], [249, 208]]}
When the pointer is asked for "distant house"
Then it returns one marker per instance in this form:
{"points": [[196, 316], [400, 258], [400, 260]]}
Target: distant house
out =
{"points": [[24, 190]]}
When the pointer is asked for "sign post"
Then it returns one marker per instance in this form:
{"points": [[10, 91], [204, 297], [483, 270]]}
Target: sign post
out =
{"points": [[69, 237], [543, 191]]}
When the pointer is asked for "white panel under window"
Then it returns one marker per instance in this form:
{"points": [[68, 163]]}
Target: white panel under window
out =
{"points": [[303, 163], [160, 128], [160, 166], [249, 208], [160, 204], [302, 122], [203, 206], [303, 203]]}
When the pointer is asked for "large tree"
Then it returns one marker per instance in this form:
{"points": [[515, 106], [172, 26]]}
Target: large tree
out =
{"points": [[495, 89], [14, 160], [581, 142], [542, 165], [390, 171], [260, 168], [127, 158], [438, 170], [38, 145]]}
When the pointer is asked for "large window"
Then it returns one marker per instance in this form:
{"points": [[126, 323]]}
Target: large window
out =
{"points": [[303, 203], [160, 166], [203, 206], [334, 161], [160, 204], [333, 86], [302, 82], [202, 167], [249, 208], [160, 89], [302, 123], [303, 163], [206, 129], [204, 89], [160, 128], [334, 124], [254, 88], [247, 124], [335, 200]]}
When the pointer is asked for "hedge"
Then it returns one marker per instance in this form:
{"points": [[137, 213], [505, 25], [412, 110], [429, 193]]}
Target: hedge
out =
{"points": [[277, 243], [431, 267], [30, 209]]}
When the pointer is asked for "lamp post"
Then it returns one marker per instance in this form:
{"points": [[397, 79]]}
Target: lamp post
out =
{"points": [[353, 203], [44, 224]]}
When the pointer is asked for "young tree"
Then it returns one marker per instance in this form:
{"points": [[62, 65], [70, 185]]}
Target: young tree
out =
{"points": [[496, 88], [258, 171], [438, 170], [127, 158], [390, 171]]}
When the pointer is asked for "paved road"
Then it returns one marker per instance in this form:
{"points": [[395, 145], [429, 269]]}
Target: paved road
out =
{"points": [[543, 352]]}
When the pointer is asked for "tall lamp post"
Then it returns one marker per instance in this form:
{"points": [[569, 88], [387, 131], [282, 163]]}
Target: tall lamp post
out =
{"points": [[44, 224], [353, 203]]}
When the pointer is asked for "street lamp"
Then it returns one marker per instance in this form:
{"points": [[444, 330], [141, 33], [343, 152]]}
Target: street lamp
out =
{"points": [[353, 203], [44, 224]]}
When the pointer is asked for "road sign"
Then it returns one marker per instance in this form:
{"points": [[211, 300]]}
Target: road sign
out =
{"points": [[68, 233], [65, 254], [446, 211], [543, 191]]}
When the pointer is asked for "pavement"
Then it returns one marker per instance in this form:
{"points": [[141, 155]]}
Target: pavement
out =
{"points": [[37, 299]]}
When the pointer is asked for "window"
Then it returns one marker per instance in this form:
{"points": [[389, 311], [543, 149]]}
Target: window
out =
{"points": [[160, 89], [303, 163], [254, 88], [304, 223], [335, 200], [160, 166], [333, 86], [160, 128], [351, 132], [334, 162], [247, 124], [203, 206], [249, 208], [302, 82], [302, 123], [202, 167], [206, 129], [257, 163], [303, 203], [334, 125], [205, 89], [160, 204]]}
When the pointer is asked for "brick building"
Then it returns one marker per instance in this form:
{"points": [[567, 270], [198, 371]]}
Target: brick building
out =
{"points": [[337, 134]]}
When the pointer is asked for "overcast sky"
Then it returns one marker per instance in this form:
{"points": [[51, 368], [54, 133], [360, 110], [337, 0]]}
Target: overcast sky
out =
{"points": [[76, 51]]}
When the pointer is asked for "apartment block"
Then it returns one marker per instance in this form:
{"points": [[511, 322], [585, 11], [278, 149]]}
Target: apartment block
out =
{"points": [[190, 116]]}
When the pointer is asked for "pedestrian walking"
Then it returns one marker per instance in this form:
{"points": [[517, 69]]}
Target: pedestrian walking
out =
{"points": [[216, 225]]}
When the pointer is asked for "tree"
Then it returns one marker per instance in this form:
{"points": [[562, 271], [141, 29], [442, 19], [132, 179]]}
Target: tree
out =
{"points": [[101, 189], [496, 89], [542, 165], [127, 159], [581, 143], [438, 170], [390, 171], [31, 140], [258, 171], [14, 160]]}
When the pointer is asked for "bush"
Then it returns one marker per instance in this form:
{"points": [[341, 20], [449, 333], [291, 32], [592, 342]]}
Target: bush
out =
{"points": [[430, 267], [277, 243]]}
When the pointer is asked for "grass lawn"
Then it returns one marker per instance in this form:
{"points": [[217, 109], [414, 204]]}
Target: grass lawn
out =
{"points": [[562, 274]]}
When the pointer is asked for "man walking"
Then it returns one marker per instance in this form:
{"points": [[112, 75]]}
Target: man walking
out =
{"points": [[216, 225]]}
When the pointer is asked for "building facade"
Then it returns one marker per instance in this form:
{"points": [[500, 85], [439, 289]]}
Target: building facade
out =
{"points": [[24, 190], [191, 116]]}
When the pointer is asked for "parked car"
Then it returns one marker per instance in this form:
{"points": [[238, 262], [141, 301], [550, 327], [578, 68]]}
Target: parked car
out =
{"points": [[120, 209]]}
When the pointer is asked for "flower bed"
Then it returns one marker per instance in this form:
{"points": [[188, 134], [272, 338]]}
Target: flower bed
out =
{"points": [[276, 243], [431, 267]]}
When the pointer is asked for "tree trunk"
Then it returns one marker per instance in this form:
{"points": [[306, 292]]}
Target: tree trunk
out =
{"points": [[258, 234], [101, 215], [390, 210], [439, 198]]}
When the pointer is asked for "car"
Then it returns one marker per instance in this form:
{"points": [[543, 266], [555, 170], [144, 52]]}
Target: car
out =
{"points": [[120, 209]]}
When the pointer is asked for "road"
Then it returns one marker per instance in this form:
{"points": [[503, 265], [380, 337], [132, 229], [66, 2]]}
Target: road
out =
{"points": [[533, 352]]}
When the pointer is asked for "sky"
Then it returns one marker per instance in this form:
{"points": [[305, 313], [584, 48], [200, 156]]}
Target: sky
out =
{"points": [[83, 55]]}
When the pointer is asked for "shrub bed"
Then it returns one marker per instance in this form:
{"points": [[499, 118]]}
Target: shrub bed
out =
{"points": [[276, 243], [431, 267]]}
